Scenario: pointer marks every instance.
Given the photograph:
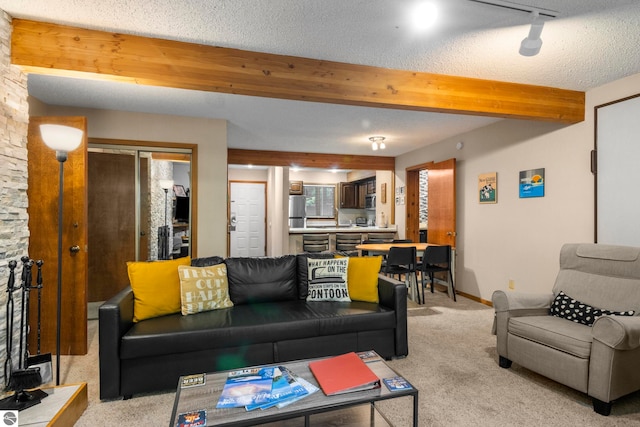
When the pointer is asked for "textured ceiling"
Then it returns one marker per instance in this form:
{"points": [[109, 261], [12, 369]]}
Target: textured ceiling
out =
{"points": [[590, 43]]}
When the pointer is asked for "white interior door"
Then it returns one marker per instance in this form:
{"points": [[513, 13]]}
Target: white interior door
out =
{"points": [[247, 215]]}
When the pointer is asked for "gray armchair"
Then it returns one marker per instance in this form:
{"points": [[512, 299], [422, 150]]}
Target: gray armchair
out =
{"points": [[591, 342]]}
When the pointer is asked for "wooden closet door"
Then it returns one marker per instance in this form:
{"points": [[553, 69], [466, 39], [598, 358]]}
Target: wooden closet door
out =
{"points": [[112, 220], [43, 190]]}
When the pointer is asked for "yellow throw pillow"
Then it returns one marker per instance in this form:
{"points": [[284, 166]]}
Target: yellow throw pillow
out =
{"points": [[362, 278], [156, 287], [203, 288]]}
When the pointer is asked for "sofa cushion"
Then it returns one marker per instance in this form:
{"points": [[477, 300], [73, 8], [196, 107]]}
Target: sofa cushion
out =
{"points": [[254, 280], [570, 337], [203, 288], [243, 325], [328, 279], [303, 271], [207, 261], [571, 309], [156, 287], [362, 278]]}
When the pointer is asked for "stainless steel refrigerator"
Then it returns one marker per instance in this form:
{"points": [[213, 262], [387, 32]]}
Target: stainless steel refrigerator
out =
{"points": [[297, 211]]}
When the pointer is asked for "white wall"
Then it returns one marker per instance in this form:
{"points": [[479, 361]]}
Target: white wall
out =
{"points": [[317, 177], [520, 239], [209, 134]]}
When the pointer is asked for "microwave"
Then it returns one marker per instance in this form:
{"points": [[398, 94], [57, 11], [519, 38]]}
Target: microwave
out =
{"points": [[370, 201]]}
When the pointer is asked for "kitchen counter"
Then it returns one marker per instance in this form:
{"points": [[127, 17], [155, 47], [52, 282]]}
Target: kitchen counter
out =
{"points": [[342, 229], [295, 234]]}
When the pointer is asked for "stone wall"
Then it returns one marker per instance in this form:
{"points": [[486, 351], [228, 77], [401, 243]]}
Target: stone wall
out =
{"points": [[424, 196], [159, 210], [14, 226]]}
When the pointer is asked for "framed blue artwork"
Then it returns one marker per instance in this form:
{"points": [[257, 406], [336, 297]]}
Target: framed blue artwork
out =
{"points": [[532, 183]]}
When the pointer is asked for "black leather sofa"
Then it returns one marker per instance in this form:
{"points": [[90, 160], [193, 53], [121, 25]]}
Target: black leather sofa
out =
{"points": [[270, 322]]}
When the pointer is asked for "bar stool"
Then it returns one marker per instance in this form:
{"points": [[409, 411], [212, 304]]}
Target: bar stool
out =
{"points": [[347, 241], [315, 243]]}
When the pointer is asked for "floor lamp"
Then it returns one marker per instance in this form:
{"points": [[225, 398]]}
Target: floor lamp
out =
{"points": [[62, 139], [166, 184]]}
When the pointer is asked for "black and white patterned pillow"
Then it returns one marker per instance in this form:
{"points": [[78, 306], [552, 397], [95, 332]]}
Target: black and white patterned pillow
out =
{"points": [[571, 309]]}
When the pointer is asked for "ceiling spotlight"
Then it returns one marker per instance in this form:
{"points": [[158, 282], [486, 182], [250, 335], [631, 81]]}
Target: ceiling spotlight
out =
{"points": [[377, 142], [531, 44]]}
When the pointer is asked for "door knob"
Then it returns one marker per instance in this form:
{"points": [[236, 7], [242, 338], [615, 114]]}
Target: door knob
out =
{"points": [[74, 249]]}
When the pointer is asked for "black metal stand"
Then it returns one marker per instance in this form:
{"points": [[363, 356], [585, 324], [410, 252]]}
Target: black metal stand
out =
{"points": [[61, 156], [22, 400]]}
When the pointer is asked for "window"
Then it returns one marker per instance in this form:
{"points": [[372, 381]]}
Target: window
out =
{"points": [[321, 200]]}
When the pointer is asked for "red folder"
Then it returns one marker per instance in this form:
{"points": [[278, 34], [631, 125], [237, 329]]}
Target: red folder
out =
{"points": [[343, 374]]}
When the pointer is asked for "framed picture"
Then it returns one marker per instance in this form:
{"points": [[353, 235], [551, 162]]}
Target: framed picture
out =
{"points": [[179, 191], [383, 192], [488, 188], [532, 183]]}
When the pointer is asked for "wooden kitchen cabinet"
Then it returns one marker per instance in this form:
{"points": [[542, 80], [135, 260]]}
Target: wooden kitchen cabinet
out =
{"points": [[371, 186], [348, 195], [362, 195], [296, 187]]}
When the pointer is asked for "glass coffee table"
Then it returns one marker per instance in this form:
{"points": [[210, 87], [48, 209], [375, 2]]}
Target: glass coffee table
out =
{"points": [[204, 397]]}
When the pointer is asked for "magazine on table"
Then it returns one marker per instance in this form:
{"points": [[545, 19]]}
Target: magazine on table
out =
{"points": [[283, 387], [369, 356], [396, 383], [193, 419], [309, 388], [246, 387]]}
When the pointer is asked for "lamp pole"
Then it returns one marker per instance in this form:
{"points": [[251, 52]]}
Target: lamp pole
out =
{"points": [[166, 192], [61, 156], [166, 184]]}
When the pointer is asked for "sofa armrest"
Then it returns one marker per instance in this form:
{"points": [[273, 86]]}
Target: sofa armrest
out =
{"points": [[618, 332], [393, 295], [115, 318], [515, 304], [513, 301]]}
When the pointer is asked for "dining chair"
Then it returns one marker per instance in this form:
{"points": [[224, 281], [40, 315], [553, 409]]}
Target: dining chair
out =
{"points": [[366, 242], [402, 260], [435, 259]]}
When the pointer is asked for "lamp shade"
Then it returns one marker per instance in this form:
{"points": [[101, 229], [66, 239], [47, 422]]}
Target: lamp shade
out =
{"points": [[61, 138], [166, 184]]}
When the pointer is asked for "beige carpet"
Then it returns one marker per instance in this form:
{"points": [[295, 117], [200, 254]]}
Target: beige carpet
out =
{"points": [[452, 361]]}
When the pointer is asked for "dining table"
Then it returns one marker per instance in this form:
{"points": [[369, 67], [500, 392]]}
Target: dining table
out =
{"points": [[384, 248]]}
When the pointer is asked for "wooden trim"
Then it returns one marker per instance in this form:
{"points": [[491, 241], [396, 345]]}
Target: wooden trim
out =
{"points": [[52, 49], [172, 157], [71, 412], [596, 109], [309, 160], [475, 298], [193, 236]]}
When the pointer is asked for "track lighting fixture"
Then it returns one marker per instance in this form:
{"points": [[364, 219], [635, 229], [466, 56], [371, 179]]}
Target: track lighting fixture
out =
{"points": [[377, 142], [531, 44]]}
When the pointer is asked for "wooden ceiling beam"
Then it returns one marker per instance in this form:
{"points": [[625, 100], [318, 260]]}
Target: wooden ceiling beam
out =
{"points": [[308, 160], [46, 48]]}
